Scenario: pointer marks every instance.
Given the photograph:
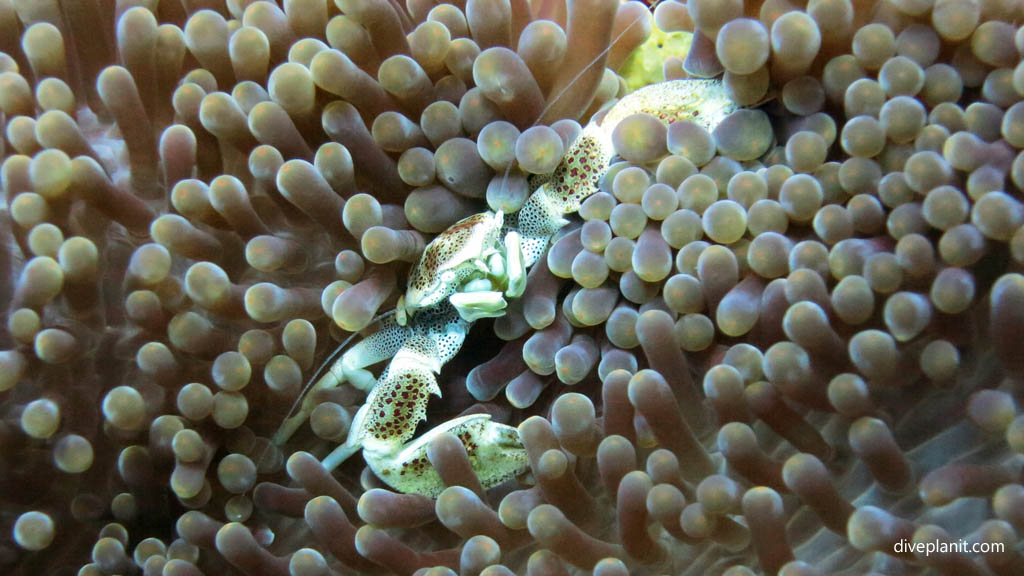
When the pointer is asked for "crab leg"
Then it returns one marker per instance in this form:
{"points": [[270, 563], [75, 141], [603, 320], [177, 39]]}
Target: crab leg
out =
{"points": [[375, 348]]}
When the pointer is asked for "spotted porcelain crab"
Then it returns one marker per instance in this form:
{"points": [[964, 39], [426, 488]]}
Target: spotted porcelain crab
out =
{"points": [[466, 273]]}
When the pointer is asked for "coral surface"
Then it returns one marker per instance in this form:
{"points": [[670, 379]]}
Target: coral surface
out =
{"points": [[791, 345]]}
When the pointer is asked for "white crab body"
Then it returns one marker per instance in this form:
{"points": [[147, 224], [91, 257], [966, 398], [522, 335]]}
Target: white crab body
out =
{"points": [[452, 259]]}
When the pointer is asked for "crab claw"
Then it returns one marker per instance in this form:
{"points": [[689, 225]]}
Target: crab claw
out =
{"points": [[399, 401], [495, 455], [394, 408]]}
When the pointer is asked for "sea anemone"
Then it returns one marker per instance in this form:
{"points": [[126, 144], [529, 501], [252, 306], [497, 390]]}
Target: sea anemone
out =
{"points": [[787, 345]]}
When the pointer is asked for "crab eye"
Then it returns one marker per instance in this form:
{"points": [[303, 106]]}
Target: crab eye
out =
{"points": [[447, 276]]}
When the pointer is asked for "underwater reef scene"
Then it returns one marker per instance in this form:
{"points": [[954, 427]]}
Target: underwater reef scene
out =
{"points": [[786, 341]]}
